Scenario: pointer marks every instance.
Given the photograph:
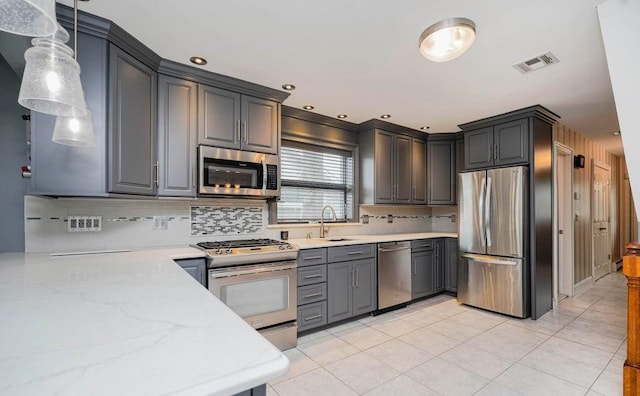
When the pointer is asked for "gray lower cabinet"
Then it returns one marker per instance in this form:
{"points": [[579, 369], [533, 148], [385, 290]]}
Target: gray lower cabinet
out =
{"points": [[312, 288], [451, 265], [422, 276], [132, 125], [441, 171], [351, 288], [195, 267], [257, 391], [502, 144], [231, 120], [177, 136]]}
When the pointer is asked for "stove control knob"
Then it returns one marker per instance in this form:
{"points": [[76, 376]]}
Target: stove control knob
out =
{"points": [[281, 247], [218, 251], [289, 246], [228, 251]]}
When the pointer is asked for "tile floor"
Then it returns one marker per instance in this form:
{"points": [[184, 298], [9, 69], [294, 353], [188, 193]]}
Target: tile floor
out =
{"points": [[439, 347]]}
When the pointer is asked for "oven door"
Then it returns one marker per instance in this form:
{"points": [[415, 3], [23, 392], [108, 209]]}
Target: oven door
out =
{"points": [[263, 294]]}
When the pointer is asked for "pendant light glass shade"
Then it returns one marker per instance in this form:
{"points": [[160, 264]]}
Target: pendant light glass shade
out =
{"points": [[447, 39], [35, 18], [51, 80], [75, 131]]}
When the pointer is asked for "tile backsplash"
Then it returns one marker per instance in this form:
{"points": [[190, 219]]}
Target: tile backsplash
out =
{"points": [[129, 223]]}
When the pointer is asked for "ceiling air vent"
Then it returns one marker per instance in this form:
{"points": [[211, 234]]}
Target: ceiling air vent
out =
{"points": [[536, 63]]}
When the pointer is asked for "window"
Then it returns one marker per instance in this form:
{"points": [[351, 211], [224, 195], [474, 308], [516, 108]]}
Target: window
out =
{"points": [[314, 176]]}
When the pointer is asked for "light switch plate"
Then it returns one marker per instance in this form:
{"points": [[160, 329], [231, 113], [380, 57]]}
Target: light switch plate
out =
{"points": [[84, 223]]}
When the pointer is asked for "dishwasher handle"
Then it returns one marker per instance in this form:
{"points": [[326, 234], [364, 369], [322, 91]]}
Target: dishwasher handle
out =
{"points": [[381, 250]]}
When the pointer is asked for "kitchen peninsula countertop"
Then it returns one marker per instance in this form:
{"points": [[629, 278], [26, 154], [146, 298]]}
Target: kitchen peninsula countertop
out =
{"points": [[122, 323], [346, 240]]}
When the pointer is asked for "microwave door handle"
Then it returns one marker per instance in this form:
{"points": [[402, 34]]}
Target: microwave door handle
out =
{"points": [[264, 177]]}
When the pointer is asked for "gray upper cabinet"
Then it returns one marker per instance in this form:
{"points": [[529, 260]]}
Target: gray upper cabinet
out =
{"points": [[218, 117], [498, 145], [260, 125], [228, 119], [177, 136], [389, 172], [132, 126], [419, 171], [441, 170]]}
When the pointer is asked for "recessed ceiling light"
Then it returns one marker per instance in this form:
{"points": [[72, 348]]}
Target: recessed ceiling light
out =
{"points": [[198, 60], [424, 128], [288, 87], [448, 39], [616, 133], [385, 116], [308, 107], [342, 116]]}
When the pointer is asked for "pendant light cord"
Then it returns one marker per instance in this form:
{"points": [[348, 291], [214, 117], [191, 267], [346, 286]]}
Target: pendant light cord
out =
{"points": [[75, 29]]}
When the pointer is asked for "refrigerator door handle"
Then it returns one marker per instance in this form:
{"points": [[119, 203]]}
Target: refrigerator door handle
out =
{"points": [[489, 259], [481, 206], [487, 212]]}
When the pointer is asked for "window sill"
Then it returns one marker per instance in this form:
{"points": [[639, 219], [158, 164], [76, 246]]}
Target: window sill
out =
{"points": [[307, 225]]}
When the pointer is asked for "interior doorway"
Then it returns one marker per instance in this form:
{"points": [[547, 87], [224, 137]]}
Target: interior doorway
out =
{"points": [[563, 224], [601, 218]]}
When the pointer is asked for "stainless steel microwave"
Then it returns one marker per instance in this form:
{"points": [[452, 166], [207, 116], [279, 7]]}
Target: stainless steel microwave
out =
{"points": [[233, 172]]}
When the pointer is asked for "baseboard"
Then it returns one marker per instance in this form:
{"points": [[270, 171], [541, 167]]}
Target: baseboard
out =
{"points": [[582, 285]]}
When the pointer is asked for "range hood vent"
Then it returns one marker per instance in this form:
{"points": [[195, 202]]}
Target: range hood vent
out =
{"points": [[536, 63]]}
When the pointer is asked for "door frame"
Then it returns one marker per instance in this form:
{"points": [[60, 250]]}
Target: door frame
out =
{"points": [[560, 149], [606, 166]]}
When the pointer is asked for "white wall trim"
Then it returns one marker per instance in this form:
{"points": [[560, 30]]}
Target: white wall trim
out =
{"points": [[583, 285]]}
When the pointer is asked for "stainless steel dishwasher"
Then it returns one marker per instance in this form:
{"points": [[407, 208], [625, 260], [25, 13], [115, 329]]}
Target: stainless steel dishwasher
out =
{"points": [[394, 273]]}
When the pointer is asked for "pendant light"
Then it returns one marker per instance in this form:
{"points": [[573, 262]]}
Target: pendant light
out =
{"points": [[35, 18], [51, 80], [448, 39], [77, 129]]}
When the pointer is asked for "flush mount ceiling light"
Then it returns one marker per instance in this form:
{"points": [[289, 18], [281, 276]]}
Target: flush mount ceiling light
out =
{"points": [[342, 116], [35, 18], [616, 133], [448, 39], [424, 128], [385, 116], [288, 87], [308, 107], [198, 60]]}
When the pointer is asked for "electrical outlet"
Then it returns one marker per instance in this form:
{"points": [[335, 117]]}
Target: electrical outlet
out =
{"points": [[160, 222], [389, 218], [365, 219], [84, 223]]}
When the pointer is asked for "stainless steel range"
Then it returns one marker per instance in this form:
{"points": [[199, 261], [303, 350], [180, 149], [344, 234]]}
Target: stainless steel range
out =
{"points": [[257, 279]]}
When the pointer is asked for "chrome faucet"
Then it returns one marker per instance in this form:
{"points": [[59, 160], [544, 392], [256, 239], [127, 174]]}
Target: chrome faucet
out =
{"points": [[335, 218]]}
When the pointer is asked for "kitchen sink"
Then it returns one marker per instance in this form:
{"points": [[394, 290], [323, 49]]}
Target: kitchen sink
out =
{"points": [[338, 239]]}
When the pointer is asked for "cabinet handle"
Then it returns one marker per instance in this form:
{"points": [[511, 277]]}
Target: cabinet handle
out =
{"points": [[246, 132], [312, 295], [312, 317], [351, 278], [495, 151], [193, 176], [155, 174], [415, 270], [357, 276], [238, 130], [414, 193], [312, 258], [312, 276], [490, 148], [354, 253]]}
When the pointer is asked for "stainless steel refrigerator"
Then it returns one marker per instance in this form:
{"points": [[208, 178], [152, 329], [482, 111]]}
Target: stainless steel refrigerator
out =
{"points": [[492, 234]]}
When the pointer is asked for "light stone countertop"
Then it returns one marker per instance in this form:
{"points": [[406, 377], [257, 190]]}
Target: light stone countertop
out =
{"points": [[360, 239], [129, 323]]}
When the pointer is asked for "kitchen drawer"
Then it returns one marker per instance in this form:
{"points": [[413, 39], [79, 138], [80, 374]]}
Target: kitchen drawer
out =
{"points": [[353, 252], [312, 293], [312, 315], [311, 275], [312, 257], [423, 244]]}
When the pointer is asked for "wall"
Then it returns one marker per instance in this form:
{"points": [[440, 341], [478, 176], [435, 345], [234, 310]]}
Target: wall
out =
{"points": [[582, 185], [13, 154]]}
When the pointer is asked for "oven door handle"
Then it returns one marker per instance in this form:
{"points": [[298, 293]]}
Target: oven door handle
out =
{"points": [[248, 270]]}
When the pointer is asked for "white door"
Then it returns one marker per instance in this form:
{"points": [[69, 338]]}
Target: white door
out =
{"points": [[600, 207], [563, 215]]}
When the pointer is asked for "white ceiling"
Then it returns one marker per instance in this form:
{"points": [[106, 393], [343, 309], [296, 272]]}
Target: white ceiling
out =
{"points": [[360, 57]]}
